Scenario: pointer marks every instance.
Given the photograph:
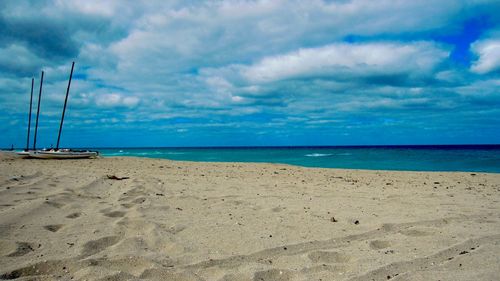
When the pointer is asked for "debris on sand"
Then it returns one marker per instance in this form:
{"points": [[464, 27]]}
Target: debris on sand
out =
{"points": [[113, 177]]}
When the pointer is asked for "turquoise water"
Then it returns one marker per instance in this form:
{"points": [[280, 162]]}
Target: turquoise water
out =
{"points": [[477, 158]]}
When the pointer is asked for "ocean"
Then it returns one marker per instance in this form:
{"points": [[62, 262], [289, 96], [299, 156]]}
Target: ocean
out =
{"points": [[466, 158]]}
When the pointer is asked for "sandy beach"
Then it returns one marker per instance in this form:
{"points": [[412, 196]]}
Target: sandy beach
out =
{"points": [[146, 219]]}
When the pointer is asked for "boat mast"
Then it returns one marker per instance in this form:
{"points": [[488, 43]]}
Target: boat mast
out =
{"points": [[64, 108], [29, 116], [38, 111]]}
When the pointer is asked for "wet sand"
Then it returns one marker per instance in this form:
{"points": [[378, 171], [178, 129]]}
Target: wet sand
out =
{"points": [[170, 220]]}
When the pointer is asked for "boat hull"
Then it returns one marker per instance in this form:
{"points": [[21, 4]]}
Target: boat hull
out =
{"points": [[24, 154], [63, 154]]}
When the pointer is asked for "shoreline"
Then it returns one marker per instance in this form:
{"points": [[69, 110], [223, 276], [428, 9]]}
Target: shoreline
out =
{"points": [[186, 220], [296, 166], [265, 163]]}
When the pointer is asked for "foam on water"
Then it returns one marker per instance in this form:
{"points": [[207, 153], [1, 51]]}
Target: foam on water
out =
{"points": [[318, 155]]}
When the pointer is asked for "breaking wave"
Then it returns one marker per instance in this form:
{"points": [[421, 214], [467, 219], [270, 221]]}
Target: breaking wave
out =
{"points": [[318, 155]]}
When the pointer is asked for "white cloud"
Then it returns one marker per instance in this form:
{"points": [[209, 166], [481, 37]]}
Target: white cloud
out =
{"points": [[96, 7], [115, 100], [130, 101], [171, 37], [108, 100], [355, 59], [483, 88], [340, 67], [489, 56]]}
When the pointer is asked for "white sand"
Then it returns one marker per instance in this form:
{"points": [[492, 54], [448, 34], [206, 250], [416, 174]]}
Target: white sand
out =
{"points": [[229, 221]]}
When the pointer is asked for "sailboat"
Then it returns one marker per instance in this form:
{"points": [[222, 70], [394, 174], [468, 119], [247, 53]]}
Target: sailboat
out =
{"points": [[25, 152], [56, 153]]}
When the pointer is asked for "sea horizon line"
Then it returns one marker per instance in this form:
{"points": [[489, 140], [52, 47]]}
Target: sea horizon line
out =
{"points": [[414, 146]]}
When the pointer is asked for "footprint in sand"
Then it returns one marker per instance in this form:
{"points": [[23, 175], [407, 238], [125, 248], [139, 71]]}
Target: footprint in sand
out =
{"points": [[273, 275], [128, 205], [387, 227], [165, 274], [277, 209], [176, 229], [379, 244], [53, 227], [7, 247], [95, 246], [324, 267], [55, 204], [234, 277], [114, 214], [139, 200], [74, 215], [42, 268], [22, 248], [328, 257], [415, 232]]}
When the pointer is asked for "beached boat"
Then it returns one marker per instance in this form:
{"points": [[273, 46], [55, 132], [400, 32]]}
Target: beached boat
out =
{"points": [[63, 154], [52, 153], [23, 153]]}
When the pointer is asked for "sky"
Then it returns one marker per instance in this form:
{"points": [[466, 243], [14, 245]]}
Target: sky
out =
{"points": [[252, 73]]}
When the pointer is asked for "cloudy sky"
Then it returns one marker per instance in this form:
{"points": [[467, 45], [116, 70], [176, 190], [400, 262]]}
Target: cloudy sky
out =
{"points": [[218, 73]]}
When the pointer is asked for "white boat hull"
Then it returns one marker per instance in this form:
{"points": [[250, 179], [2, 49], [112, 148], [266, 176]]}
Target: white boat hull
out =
{"points": [[62, 154], [24, 153]]}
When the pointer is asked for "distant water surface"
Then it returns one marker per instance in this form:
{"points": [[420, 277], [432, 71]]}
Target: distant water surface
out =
{"points": [[473, 158]]}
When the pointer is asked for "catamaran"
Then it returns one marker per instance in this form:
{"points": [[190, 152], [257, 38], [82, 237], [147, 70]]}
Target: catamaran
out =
{"points": [[53, 153], [63, 154]]}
